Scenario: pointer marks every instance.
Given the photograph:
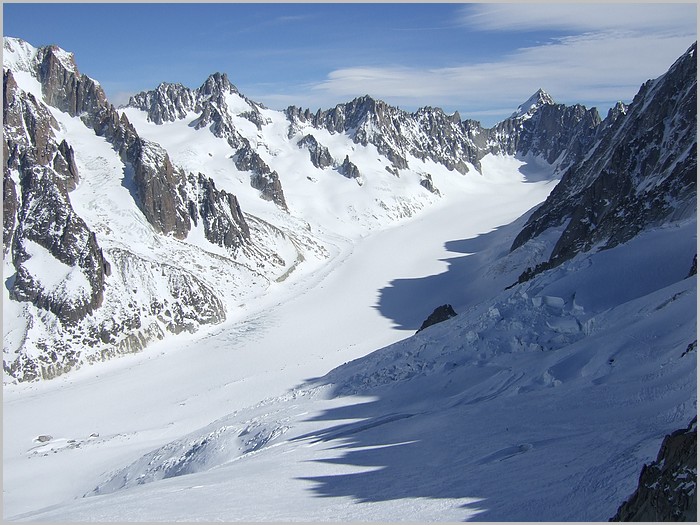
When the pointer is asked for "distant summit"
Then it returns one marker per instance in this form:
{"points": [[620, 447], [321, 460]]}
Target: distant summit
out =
{"points": [[536, 101]]}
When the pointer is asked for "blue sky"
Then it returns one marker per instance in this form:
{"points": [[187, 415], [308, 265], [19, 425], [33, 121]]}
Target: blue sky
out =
{"points": [[482, 60]]}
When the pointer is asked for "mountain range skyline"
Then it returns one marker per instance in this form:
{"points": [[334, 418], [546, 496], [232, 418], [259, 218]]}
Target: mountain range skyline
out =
{"points": [[478, 59]]}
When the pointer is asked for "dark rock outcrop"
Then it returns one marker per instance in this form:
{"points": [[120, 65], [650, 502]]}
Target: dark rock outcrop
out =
{"points": [[348, 169], [224, 223], [64, 87], [9, 210], [49, 229], [319, 154], [160, 192], [440, 314], [166, 103], [667, 489], [427, 182], [262, 178]]}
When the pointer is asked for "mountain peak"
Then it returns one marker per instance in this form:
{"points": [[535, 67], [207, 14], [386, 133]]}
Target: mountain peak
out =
{"points": [[18, 54], [537, 100], [217, 83]]}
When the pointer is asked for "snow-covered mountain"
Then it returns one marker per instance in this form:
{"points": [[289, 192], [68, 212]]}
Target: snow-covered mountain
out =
{"points": [[572, 354], [132, 199]]}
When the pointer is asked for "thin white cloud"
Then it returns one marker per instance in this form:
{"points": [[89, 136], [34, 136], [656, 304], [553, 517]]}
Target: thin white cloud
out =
{"points": [[680, 18], [621, 47]]}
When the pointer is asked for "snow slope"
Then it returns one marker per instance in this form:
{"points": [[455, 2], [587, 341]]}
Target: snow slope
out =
{"points": [[539, 404], [300, 329]]}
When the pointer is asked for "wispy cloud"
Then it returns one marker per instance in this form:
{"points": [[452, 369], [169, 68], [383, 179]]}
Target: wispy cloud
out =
{"points": [[659, 17], [609, 52]]}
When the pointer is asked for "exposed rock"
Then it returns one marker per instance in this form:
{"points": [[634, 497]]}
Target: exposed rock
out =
{"points": [[64, 165], [427, 182], [224, 223], [641, 172], [440, 314], [535, 102], [320, 156], [160, 190], [50, 241], [667, 489], [9, 209], [270, 187], [170, 102], [167, 103], [63, 87], [262, 178], [547, 130], [544, 129], [348, 169]]}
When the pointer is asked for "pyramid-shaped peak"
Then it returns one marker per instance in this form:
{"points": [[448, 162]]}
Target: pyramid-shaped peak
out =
{"points": [[537, 100], [217, 83]]}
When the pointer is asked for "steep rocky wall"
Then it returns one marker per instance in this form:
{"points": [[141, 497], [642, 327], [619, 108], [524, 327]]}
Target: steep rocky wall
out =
{"points": [[667, 489], [641, 172]]}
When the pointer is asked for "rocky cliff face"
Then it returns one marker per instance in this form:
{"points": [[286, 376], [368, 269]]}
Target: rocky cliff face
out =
{"points": [[212, 106], [555, 132], [319, 154], [39, 220], [224, 223], [641, 172], [73, 288], [667, 489], [262, 178]]}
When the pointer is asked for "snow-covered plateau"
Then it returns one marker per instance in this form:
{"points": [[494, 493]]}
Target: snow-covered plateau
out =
{"points": [[265, 305]]}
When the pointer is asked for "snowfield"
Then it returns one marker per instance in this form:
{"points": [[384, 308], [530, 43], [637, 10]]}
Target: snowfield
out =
{"points": [[294, 386], [541, 403]]}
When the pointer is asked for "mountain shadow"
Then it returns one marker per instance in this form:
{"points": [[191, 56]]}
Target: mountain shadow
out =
{"points": [[469, 279]]}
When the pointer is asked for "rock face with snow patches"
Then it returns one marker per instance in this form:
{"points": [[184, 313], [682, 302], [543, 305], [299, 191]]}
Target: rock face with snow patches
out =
{"points": [[640, 173], [58, 263], [667, 488], [440, 314]]}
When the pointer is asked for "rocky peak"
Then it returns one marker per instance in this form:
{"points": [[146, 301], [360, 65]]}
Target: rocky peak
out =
{"points": [[349, 170], [536, 101], [641, 171], [167, 103], [64, 87], [216, 83], [319, 154]]}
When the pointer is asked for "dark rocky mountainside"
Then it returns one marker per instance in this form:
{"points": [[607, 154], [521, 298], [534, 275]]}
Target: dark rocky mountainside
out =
{"points": [[641, 172], [555, 132], [41, 227], [667, 488]]}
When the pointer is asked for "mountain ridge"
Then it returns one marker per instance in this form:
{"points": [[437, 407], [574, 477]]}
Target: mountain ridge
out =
{"points": [[176, 201]]}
